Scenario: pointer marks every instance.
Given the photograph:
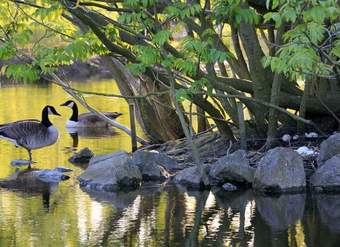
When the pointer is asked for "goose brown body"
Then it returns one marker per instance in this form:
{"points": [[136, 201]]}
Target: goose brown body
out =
{"points": [[31, 133], [88, 119]]}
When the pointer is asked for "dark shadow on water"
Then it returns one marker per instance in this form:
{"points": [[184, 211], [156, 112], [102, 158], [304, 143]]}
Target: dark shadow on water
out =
{"points": [[119, 200], [282, 211], [329, 211]]}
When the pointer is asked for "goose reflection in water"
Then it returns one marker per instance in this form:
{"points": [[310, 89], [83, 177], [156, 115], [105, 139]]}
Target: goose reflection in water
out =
{"points": [[27, 183], [88, 133]]}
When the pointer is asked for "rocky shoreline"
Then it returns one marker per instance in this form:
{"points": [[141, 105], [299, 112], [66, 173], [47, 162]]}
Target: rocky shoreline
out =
{"points": [[279, 170]]}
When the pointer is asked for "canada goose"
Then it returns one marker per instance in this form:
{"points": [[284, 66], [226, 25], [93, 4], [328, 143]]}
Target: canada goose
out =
{"points": [[31, 133], [88, 119]]}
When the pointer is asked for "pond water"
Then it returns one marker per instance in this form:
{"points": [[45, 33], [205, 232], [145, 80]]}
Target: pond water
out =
{"points": [[65, 215]]}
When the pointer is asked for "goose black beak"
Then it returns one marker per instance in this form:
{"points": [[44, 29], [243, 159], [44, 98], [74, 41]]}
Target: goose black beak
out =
{"points": [[63, 104]]}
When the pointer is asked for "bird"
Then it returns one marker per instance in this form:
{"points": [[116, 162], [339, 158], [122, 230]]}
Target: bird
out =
{"points": [[32, 134], [88, 119]]}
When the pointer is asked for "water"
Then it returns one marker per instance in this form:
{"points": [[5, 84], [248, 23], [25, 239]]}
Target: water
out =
{"points": [[64, 215]]}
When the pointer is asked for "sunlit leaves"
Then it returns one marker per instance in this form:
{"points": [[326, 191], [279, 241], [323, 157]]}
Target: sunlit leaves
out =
{"points": [[311, 45], [21, 38], [22, 72], [186, 66], [161, 37], [181, 10], [232, 11], [52, 13], [7, 51], [195, 87], [136, 68]]}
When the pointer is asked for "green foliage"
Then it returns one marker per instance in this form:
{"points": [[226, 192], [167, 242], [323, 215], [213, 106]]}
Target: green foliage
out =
{"points": [[232, 11], [196, 87], [21, 72], [312, 44], [161, 37], [51, 13], [182, 10], [7, 51]]}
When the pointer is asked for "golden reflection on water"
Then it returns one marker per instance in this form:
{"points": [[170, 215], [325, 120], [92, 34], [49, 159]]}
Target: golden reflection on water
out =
{"points": [[73, 218]]}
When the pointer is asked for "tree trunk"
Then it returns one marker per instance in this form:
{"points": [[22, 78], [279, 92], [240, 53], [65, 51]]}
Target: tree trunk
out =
{"points": [[155, 114]]}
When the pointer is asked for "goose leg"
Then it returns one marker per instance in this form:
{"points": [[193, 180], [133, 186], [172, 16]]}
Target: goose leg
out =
{"points": [[30, 158]]}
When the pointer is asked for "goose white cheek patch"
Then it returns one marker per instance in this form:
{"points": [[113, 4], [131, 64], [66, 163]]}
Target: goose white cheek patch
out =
{"points": [[71, 105], [50, 112]]}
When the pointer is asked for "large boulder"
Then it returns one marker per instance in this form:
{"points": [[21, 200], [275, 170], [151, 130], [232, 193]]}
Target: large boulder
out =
{"points": [[232, 168], [154, 165], [280, 170], [191, 177], [329, 148], [327, 177], [111, 172]]}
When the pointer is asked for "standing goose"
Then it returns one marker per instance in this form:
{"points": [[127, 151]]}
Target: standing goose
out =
{"points": [[88, 119], [31, 133]]}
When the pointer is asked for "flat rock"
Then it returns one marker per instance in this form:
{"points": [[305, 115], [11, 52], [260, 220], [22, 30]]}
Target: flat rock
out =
{"points": [[50, 176], [280, 170], [327, 177], [191, 177], [111, 172], [232, 168], [329, 148], [154, 165], [81, 157]]}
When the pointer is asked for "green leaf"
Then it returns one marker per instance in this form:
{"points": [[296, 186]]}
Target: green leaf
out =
{"points": [[161, 37]]}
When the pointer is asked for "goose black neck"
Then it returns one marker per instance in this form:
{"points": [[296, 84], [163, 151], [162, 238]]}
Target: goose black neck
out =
{"points": [[74, 116], [44, 118]]}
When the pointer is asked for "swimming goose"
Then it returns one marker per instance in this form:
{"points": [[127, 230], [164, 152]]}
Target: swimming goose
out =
{"points": [[31, 133], [88, 119]]}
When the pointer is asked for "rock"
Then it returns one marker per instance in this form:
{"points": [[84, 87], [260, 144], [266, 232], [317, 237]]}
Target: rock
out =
{"points": [[229, 187], [111, 172], [311, 135], [232, 168], [154, 165], [286, 138], [327, 177], [281, 212], [83, 156], [329, 148], [50, 176], [305, 151], [280, 170], [191, 177]]}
